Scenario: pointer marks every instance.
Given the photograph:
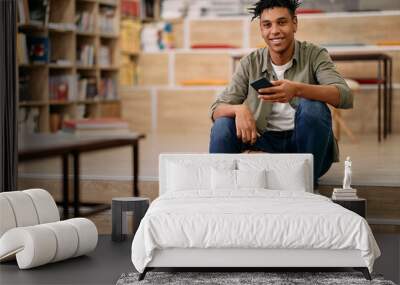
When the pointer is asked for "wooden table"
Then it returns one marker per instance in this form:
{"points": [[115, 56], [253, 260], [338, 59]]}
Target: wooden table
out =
{"points": [[383, 80], [41, 146]]}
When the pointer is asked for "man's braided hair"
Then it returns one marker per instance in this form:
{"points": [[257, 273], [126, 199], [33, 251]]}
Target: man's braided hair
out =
{"points": [[261, 5]]}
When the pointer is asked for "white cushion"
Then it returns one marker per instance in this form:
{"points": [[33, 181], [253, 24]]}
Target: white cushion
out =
{"points": [[251, 178], [67, 240], [292, 178], [196, 175], [225, 179], [87, 235], [33, 246], [45, 206], [290, 175], [7, 218], [23, 208]]}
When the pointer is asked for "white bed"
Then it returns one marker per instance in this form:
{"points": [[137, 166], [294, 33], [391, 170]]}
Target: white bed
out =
{"points": [[247, 210]]}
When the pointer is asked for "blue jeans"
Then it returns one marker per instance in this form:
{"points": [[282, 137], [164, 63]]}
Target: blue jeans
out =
{"points": [[312, 134]]}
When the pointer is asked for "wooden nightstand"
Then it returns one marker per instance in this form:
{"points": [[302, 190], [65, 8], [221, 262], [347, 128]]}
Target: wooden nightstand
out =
{"points": [[358, 206]]}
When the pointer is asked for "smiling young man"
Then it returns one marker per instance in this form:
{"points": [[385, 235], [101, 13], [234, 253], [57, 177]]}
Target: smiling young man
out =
{"points": [[292, 115]]}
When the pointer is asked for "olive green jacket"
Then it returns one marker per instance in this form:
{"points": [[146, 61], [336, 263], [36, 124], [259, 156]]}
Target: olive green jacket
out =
{"points": [[311, 64]]}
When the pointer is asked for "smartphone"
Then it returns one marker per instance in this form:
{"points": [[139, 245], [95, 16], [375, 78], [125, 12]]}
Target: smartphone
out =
{"points": [[261, 83]]}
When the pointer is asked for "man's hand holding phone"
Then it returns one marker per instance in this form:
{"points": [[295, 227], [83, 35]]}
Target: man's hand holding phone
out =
{"points": [[280, 91]]}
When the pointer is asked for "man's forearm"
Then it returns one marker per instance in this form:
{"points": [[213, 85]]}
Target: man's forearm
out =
{"points": [[325, 93], [225, 110]]}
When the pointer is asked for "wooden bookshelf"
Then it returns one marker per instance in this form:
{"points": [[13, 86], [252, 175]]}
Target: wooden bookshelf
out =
{"points": [[66, 37], [161, 91]]}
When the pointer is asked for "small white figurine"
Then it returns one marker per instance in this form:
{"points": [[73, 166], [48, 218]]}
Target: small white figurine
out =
{"points": [[347, 174]]}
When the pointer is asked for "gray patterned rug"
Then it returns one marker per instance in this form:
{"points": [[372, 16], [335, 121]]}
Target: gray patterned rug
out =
{"points": [[243, 278]]}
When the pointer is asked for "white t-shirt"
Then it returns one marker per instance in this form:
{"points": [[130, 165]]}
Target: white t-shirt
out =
{"points": [[282, 115]]}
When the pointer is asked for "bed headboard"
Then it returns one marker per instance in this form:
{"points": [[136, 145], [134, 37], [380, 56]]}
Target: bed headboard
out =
{"points": [[269, 158]]}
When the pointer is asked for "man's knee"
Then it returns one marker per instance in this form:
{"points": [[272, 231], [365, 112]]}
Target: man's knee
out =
{"points": [[223, 128], [223, 136], [313, 111]]}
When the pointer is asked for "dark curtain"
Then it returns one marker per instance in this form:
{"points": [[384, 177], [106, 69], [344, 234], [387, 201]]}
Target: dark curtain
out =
{"points": [[8, 96]]}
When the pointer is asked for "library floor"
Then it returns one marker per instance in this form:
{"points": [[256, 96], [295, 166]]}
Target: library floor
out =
{"points": [[110, 259]]}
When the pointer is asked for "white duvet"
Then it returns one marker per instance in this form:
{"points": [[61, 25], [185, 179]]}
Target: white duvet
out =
{"points": [[256, 218]]}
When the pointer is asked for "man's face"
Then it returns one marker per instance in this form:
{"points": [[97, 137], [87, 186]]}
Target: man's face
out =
{"points": [[277, 29]]}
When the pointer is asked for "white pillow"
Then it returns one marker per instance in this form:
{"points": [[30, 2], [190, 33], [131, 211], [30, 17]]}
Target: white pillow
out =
{"points": [[222, 179], [281, 174], [291, 179], [195, 175], [251, 178]]}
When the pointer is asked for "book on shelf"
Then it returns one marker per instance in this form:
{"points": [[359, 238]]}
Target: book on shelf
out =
{"points": [[130, 35], [82, 87], [108, 20], [104, 57], [23, 86], [38, 48], [28, 120], [86, 55], [157, 36], [23, 11], [173, 9], [33, 11], [62, 26], [147, 9], [22, 49], [100, 126], [130, 9], [227, 7], [61, 62], [81, 112], [39, 11], [87, 88], [128, 73], [62, 87], [84, 21], [196, 9], [91, 89], [107, 89]]}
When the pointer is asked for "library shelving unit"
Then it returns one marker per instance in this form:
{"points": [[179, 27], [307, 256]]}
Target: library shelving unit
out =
{"points": [[68, 62], [172, 84]]}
